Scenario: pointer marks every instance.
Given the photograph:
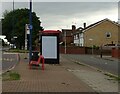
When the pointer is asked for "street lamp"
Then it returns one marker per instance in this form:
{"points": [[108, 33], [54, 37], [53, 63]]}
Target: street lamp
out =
{"points": [[65, 41], [92, 44]]}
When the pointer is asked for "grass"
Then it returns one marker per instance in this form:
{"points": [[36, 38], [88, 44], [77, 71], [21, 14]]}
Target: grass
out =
{"points": [[117, 78], [17, 50], [79, 63], [99, 70], [8, 76]]}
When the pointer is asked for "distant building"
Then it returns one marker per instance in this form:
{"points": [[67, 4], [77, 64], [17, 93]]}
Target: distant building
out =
{"points": [[78, 36], [103, 32], [3, 41], [2, 37], [67, 35]]}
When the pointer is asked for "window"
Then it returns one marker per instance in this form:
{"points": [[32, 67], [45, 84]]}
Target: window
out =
{"points": [[77, 36], [108, 34], [74, 37]]}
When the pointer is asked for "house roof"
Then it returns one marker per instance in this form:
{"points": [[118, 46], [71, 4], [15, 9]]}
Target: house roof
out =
{"points": [[68, 31], [99, 22], [95, 24]]}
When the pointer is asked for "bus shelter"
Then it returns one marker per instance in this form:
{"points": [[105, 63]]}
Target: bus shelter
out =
{"points": [[49, 47]]}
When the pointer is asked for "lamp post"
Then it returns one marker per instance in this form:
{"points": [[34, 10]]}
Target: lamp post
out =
{"points": [[92, 44], [30, 35], [65, 41], [27, 32], [101, 51]]}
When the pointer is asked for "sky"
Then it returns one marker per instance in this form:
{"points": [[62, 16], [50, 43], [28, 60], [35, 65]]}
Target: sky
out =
{"points": [[62, 15]]}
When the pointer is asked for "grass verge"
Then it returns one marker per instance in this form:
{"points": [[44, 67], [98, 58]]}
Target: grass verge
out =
{"points": [[17, 50], [79, 63], [8, 76], [117, 78]]}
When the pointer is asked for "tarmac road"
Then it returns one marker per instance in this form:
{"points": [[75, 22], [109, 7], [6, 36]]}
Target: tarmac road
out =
{"points": [[97, 80], [104, 64], [9, 60]]}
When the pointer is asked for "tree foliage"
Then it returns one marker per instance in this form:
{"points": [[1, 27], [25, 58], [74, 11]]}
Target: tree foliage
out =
{"points": [[14, 22]]}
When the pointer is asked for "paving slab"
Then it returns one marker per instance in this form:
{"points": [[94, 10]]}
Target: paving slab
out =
{"points": [[55, 78]]}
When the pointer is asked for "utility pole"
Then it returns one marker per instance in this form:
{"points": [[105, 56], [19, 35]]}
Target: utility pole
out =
{"points": [[101, 51], [13, 5], [13, 18], [13, 25], [26, 39], [27, 32], [30, 35], [92, 46], [65, 42], [26, 27]]}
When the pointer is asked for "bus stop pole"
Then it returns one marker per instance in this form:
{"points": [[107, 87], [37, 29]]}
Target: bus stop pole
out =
{"points": [[30, 35]]}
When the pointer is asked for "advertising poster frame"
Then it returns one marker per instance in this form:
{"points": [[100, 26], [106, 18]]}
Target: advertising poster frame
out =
{"points": [[50, 58]]}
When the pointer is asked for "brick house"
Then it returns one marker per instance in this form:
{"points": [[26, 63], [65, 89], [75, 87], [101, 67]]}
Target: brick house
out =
{"points": [[67, 35], [78, 36], [103, 32]]}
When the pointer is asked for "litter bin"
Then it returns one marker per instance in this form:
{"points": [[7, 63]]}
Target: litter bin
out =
{"points": [[35, 55]]}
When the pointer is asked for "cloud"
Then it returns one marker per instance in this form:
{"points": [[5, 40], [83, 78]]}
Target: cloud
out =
{"points": [[80, 13], [66, 8], [63, 14], [62, 0]]}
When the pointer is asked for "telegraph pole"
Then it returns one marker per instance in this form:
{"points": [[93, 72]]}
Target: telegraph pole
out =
{"points": [[30, 35], [13, 5], [13, 25], [65, 42]]}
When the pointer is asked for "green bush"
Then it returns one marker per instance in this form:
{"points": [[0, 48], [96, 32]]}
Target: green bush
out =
{"points": [[94, 47]]}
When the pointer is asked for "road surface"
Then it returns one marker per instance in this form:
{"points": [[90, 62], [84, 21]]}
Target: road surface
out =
{"points": [[9, 60], [106, 65], [97, 80]]}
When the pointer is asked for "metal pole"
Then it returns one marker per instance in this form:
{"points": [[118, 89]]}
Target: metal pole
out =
{"points": [[101, 51], [65, 42], [13, 5], [92, 49], [92, 44], [79, 39], [27, 32], [13, 24], [25, 37], [30, 35]]}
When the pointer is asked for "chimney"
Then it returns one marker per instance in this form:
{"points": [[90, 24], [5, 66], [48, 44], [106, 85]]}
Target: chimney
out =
{"points": [[84, 24], [73, 28]]}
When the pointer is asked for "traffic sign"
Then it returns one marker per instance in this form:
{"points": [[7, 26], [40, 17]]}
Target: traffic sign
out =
{"points": [[30, 26]]}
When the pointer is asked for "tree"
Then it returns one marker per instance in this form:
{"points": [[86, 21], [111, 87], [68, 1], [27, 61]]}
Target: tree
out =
{"points": [[14, 22]]}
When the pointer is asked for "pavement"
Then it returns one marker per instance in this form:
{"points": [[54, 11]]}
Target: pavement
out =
{"points": [[93, 77], [64, 77]]}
